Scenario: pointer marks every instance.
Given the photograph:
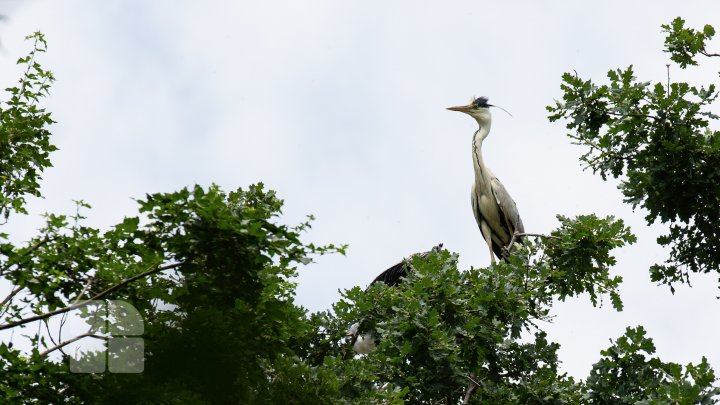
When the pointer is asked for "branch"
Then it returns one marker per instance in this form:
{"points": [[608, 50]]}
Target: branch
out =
{"points": [[24, 80], [471, 388], [618, 114], [641, 115], [602, 152], [47, 328], [97, 296], [75, 339], [33, 248], [703, 52], [521, 234], [538, 235], [85, 289], [10, 296]]}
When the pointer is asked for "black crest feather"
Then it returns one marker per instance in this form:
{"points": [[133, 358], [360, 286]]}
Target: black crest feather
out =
{"points": [[481, 102]]}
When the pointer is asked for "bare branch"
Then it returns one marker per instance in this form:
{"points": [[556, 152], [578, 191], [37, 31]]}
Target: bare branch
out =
{"points": [[47, 328], [472, 386], [85, 289], [537, 235], [75, 339], [704, 52], [96, 297], [521, 234], [10, 296]]}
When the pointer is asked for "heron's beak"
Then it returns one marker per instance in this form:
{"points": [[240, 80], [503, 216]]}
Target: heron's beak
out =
{"points": [[464, 108]]}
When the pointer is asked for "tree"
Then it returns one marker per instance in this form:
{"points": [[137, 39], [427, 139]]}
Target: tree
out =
{"points": [[658, 137], [211, 274], [209, 271]]}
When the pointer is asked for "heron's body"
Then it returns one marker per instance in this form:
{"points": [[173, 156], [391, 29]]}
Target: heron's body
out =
{"points": [[394, 275], [363, 344], [495, 211]]}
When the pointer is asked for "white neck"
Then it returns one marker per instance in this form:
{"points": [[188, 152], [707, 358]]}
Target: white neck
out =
{"points": [[482, 173], [483, 131]]}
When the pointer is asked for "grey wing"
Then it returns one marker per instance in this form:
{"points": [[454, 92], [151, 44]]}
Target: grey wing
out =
{"points": [[393, 275], [497, 249], [508, 210]]}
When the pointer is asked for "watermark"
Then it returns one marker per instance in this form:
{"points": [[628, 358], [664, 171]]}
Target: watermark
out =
{"points": [[120, 325]]}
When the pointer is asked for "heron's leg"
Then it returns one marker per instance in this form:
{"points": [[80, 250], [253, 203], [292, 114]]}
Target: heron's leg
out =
{"points": [[487, 234]]}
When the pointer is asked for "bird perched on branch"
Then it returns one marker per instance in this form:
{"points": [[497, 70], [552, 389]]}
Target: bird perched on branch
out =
{"points": [[363, 344], [394, 275], [495, 211]]}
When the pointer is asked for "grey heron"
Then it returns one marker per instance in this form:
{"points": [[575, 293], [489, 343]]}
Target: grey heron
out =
{"points": [[495, 211], [395, 274], [363, 344]]}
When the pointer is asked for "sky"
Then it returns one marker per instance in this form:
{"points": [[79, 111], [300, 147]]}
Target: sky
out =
{"points": [[340, 107]]}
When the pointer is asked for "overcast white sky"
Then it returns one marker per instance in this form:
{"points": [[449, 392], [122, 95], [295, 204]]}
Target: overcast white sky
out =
{"points": [[340, 107]]}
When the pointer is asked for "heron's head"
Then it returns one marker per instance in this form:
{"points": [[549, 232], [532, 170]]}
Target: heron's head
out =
{"points": [[478, 109]]}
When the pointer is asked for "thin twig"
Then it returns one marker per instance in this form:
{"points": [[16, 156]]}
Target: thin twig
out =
{"points": [[602, 152], [33, 248], [472, 377], [85, 289], [521, 234], [75, 339], [88, 301], [21, 93], [538, 235], [47, 328], [37, 336], [639, 115], [10, 296]]}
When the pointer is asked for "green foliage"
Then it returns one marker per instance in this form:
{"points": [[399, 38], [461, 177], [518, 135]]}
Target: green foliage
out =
{"points": [[234, 323], [211, 274], [442, 326], [683, 44], [24, 141], [579, 256], [626, 375], [221, 313], [31, 379], [659, 141]]}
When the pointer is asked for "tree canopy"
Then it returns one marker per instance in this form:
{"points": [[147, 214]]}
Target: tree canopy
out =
{"points": [[658, 138], [212, 275]]}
